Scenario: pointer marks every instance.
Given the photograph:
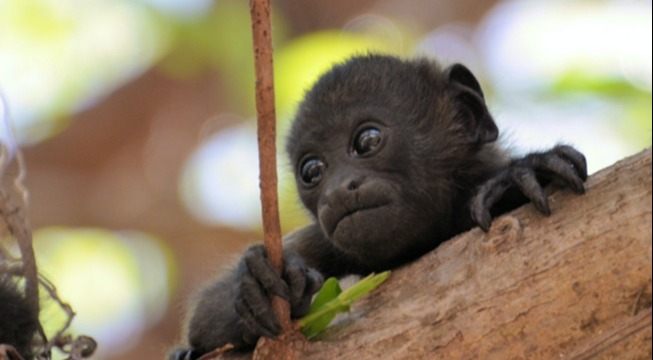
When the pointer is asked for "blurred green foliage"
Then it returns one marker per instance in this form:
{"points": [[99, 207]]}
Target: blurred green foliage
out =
{"points": [[221, 40], [632, 104], [117, 282]]}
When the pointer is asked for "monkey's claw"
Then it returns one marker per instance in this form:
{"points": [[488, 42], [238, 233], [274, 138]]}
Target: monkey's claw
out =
{"points": [[562, 165]]}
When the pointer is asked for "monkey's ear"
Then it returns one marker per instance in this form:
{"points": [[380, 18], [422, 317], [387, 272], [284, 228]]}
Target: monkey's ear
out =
{"points": [[481, 128], [461, 75]]}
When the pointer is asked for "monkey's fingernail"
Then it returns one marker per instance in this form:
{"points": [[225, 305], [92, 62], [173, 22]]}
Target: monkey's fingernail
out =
{"points": [[577, 186], [484, 220], [542, 204]]}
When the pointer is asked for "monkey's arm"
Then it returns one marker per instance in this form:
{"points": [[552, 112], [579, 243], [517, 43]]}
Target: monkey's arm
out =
{"points": [[214, 322], [525, 178]]}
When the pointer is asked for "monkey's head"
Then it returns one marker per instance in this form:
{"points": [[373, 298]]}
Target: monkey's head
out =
{"points": [[377, 146]]}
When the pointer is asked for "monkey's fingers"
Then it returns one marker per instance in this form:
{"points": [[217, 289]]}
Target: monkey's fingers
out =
{"points": [[294, 272], [563, 172], [259, 267], [302, 281], [486, 196], [575, 157], [521, 176], [315, 281], [563, 164], [253, 306], [308, 283], [252, 325], [526, 181], [567, 166]]}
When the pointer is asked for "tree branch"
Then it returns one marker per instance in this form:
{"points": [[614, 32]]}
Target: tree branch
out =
{"points": [[574, 285]]}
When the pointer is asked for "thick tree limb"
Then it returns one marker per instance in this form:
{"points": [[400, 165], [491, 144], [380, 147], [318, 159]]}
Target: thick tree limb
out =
{"points": [[575, 285]]}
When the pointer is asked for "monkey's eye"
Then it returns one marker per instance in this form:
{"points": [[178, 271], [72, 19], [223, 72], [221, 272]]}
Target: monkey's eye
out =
{"points": [[311, 171], [367, 140]]}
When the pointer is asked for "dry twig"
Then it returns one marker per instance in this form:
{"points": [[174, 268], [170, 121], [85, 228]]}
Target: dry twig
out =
{"points": [[13, 204], [262, 36]]}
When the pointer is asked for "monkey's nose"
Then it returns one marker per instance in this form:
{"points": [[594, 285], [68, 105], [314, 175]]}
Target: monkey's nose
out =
{"points": [[354, 184]]}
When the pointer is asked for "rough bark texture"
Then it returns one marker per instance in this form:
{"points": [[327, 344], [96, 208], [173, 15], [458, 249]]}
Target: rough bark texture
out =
{"points": [[575, 285]]}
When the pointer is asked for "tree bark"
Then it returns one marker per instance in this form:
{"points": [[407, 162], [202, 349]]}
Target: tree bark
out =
{"points": [[574, 285]]}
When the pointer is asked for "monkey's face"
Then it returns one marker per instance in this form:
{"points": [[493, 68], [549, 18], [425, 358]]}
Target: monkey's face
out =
{"points": [[375, 146], [366, 174], [357, 179]]}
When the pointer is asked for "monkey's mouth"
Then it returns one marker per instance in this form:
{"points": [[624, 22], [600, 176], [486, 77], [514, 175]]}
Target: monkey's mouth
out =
{"points": [[353, 214]]}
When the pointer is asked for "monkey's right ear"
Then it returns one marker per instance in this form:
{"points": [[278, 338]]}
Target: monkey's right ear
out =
{"points": [[481, 128]]}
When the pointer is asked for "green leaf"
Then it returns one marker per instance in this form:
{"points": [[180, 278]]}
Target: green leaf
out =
{"points": [[331, 300], [363, 287], [329, 291], [322, 310], [314, 325]]}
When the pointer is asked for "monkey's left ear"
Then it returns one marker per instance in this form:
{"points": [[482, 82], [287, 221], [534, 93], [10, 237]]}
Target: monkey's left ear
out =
{"points": [[481, 127]]}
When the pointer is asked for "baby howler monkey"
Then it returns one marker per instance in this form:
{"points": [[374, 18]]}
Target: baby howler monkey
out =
{"points": [[391, 157]]}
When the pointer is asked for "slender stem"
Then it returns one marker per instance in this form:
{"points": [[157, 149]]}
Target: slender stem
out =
{"points": [[262, 34]]}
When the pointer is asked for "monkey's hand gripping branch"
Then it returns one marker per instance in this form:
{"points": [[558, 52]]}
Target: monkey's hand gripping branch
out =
{"points": [[562, 165]]}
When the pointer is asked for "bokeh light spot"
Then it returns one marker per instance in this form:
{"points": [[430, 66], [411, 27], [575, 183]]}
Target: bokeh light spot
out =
{"points": [[117, 283]]}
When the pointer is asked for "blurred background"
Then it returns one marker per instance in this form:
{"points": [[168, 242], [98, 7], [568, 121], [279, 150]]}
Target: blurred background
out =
{"points": [[136, 123]]}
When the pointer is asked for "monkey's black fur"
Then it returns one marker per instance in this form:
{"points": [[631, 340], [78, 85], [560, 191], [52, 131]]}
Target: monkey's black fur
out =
{"points": [[19, 322], [391, 158]]}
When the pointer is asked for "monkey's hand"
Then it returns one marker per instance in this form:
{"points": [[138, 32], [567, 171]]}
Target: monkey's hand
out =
{"points": [[236, 308], [256, 280], [562, 165]]}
